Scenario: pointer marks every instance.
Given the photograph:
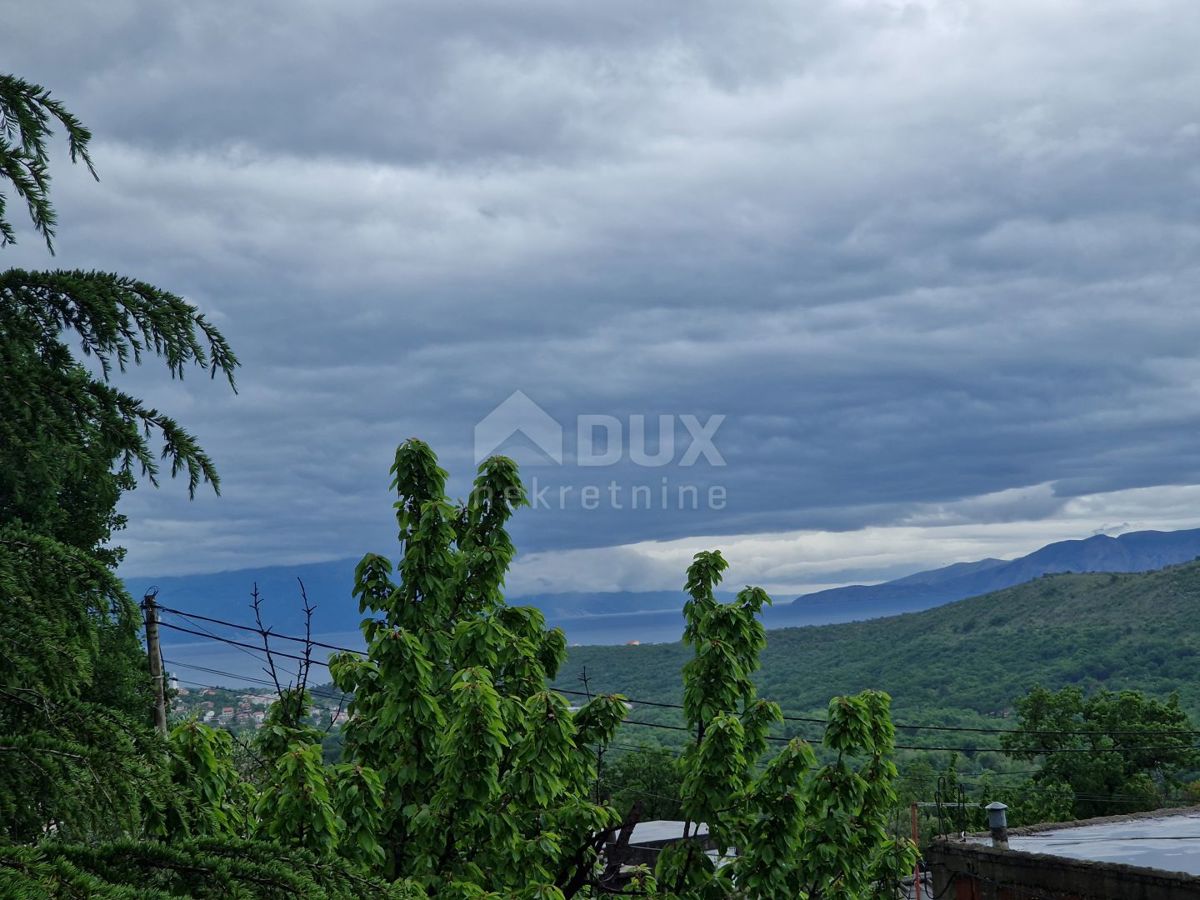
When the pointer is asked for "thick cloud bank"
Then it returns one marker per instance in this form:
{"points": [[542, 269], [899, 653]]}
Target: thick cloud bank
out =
{"points": [[935, 263]]}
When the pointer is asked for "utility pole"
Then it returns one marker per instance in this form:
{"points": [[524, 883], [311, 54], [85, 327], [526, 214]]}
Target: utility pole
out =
{"points": [[155, 653]]}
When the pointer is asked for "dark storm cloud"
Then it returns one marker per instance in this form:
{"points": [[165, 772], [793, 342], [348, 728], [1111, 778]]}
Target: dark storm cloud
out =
{"points": [[413, 82], [915, 253]]}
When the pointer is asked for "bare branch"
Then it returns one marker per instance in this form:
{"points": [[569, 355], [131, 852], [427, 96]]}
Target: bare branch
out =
{"points": [[306, 665], [256, 605]]}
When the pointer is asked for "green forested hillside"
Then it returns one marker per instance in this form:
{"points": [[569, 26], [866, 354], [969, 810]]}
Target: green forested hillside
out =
{"points": [[964, 663]]}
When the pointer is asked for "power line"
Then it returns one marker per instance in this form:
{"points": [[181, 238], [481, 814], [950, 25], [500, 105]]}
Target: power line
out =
{"points": [[1128, 799], [256, 655], [199, 684], [265, 632], [952, 728], [252, 655], [1087, 797], [784, 740], [233, 643], [268, 633]]}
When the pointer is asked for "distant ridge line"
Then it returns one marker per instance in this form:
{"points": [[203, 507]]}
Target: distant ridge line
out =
{"points": [[1134, 551]]}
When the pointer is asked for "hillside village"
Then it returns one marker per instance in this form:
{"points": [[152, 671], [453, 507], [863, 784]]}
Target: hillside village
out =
{"points": [[242, 710]]}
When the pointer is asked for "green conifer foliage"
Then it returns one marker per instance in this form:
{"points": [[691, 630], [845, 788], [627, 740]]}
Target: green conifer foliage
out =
{"points": [[74, 693]]}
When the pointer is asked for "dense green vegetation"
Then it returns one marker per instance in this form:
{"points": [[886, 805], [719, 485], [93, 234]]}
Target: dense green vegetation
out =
{"points": [[967, 663], [474, 778], [462, 776], [1111, 744], [649, 777], [971, 663], [74, 689]]}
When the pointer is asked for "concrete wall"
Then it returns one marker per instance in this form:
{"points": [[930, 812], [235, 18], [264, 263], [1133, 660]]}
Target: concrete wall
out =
{"points": [[976, 872]]}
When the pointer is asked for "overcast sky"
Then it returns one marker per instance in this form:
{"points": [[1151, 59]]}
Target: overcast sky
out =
{"points": [[935, 263]]}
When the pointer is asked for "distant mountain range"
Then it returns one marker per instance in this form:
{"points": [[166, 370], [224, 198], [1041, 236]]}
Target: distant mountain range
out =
{"points": [[1137, 551], [586, 617], [648, 616]]}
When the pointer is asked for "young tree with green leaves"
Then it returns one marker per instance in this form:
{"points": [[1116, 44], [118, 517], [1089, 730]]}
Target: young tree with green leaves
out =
{"points": [[800, 829], [647, 776], [486, 774]]}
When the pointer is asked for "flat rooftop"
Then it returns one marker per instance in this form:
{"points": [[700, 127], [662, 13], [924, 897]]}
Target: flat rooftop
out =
{"points": [[663, 830], [1160, 840]]}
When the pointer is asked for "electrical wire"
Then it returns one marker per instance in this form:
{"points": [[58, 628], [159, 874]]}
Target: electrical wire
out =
{"points": [[266, 632], [259, 655], [968, 750], [804, 719], [1087, 797], [233, 643]]}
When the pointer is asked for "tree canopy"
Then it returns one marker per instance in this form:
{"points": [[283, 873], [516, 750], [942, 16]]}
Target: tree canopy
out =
{"points": [[1108, 745]]}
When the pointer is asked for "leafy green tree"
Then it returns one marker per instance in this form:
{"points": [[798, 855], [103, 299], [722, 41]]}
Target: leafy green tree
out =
{"points": [[334, 810], [918, 780], [207, 796], [1109, 746], [1029, 802]]}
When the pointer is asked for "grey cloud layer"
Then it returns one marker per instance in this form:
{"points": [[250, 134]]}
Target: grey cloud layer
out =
{"points": [[916, 253]]}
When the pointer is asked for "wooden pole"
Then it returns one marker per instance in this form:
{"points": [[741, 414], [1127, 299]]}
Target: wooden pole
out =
{"points": [[154, 650]]}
